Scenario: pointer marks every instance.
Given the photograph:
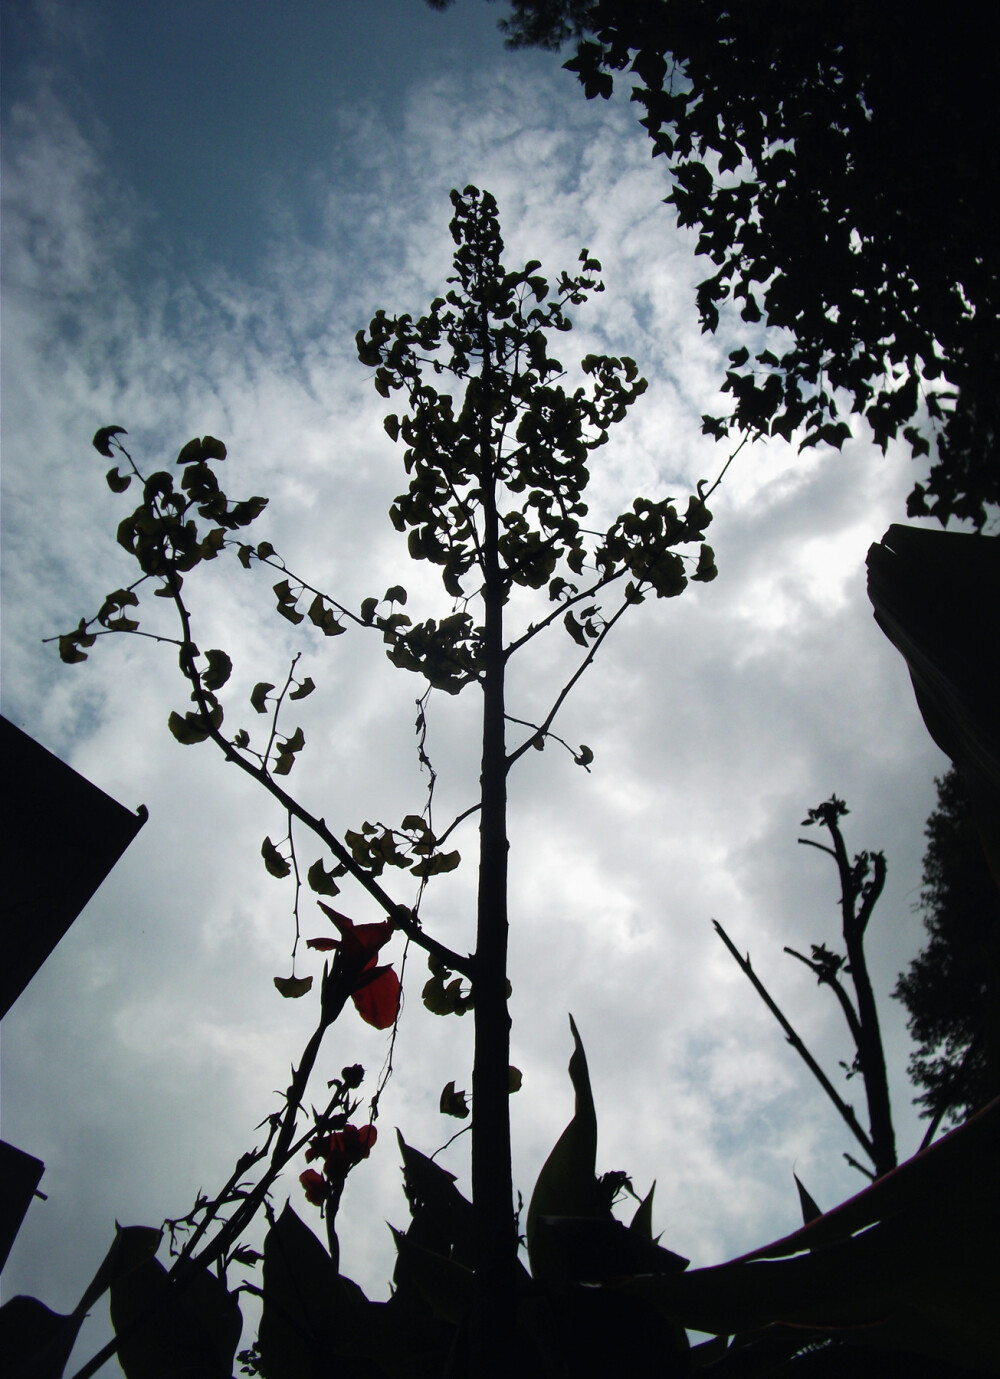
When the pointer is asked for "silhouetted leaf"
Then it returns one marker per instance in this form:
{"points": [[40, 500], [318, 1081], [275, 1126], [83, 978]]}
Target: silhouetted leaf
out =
{"points": [[324, 618], [293, 987], [117, 482], [642, 1221], [102, 439], [321, 881], [453, 1103], [192, 1331], [189, 729], [259, 695], [220, 667], [810, 1211], [69, 651], [274, 862], [307, 686], [567, 1183], [574, 629], [35, 1341], [706, 569]]}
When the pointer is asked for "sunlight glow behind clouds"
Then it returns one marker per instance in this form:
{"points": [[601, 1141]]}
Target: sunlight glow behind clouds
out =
{"points": [[142, 1056]]}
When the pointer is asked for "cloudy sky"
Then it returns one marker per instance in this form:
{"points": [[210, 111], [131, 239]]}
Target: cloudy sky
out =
{"points": [[203, 203]]}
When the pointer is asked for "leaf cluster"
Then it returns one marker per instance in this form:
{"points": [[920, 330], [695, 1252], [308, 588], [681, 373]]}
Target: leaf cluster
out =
{"points": [[824, 154], [514, 422]]}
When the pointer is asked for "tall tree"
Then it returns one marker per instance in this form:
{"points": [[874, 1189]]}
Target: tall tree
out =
{"points": [[944, 989], [498, 468], [838, 160]]}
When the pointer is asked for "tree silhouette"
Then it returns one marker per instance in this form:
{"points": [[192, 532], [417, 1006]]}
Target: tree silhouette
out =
{"points": [[497, 472], [944, 989], [837, 160]]}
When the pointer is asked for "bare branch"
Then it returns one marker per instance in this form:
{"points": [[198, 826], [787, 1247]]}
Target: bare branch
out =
{"points": [[843, 1110]]}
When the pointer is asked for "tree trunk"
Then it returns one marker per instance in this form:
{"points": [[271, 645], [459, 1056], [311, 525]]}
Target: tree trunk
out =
{"points": [[492, 1194]]}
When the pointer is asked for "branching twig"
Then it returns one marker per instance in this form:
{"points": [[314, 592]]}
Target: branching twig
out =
{"points": [[843, 1110]]}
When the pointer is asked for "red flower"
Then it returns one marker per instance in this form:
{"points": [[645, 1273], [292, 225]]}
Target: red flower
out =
{"points": [[375, 990], [348, 1147], [341, 1151]]}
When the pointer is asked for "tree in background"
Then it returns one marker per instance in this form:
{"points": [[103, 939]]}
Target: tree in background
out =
{"points": [[945, 987], [838, 161]]}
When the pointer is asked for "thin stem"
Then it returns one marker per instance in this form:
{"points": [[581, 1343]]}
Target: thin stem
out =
{"points": [[563, 693], [832, 981]]}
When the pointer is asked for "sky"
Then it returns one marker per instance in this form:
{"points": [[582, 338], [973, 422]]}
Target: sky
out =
{"points": [[204, 202]]}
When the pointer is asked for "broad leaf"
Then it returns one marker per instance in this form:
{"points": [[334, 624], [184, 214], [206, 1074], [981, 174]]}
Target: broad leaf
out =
{"points": [[567, 1183], [170, 1327]]}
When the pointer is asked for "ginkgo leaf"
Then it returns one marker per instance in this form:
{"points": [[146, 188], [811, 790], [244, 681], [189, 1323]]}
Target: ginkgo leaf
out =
{"points": [[574, 629], [453, 1103], [69, 651], [220, 667], [102, 439], [307, 686], [212, 449], [293, 987], [321, 881], [274, 862], [117, 483], [187, 730], [324, 618], [259, 695], [295, 743]]}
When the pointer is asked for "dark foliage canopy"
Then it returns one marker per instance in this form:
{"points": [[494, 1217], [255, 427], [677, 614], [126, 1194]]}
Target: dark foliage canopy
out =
{"points": [[839, 162], [945, 988]]}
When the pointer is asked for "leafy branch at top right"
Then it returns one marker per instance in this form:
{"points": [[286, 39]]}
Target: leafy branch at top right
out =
{"points": [[838, 162]]}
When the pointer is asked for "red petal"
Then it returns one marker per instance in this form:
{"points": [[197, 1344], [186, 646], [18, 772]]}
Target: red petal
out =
{"points": [[315, 1186], [372, 937], [360, 940], [377, 1001], [344, 924], [352, 1144], [323, 944]]}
